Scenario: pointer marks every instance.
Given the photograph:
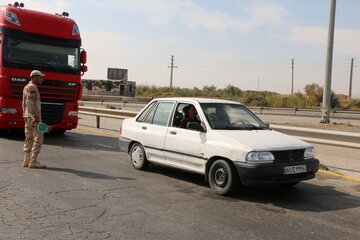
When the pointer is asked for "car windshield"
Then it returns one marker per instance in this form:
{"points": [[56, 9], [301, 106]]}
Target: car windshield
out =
{"points": [[26, 54], [231, 116]]}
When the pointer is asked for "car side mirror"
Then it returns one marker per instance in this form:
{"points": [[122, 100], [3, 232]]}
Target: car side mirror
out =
{"points": [[195, 126]]}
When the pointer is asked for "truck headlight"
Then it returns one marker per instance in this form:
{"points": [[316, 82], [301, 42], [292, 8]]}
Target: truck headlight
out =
{"points": [[260, 157], [8, 110], [73, 113], [309, 153], [11, 17]]}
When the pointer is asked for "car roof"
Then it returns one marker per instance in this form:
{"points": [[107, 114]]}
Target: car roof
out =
{"points": [[199, 100]]}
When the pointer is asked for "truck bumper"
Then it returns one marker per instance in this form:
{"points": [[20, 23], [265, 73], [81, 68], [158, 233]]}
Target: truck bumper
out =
{"points": [[12, 122]]}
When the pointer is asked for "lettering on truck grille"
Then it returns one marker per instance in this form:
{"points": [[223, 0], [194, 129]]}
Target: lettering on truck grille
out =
{"points": [[49, 89]]}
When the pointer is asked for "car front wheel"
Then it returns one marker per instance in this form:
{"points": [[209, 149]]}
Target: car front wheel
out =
{"points": [[223, 179], [138, 157]]}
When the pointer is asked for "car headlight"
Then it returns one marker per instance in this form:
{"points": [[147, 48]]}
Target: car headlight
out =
{"points": [[309, 153], [260, 157]]}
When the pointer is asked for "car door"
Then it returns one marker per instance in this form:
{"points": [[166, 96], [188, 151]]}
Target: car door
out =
{"points": [[152, 131], [185, 147]]}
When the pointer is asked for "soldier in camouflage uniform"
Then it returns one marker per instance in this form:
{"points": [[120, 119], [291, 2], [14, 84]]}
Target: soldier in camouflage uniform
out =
{"points": [[31, 106]]}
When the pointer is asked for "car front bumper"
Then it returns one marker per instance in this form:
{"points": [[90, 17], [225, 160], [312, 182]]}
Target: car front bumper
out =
{"points": [[268, 173], [124, 144]]}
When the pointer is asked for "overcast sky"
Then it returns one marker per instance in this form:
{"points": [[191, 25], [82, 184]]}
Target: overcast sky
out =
{"points": [[245, 43]]}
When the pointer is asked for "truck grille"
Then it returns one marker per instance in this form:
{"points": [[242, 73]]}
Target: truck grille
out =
{"points": [[49, 89], [289, 155], [52, 112]]}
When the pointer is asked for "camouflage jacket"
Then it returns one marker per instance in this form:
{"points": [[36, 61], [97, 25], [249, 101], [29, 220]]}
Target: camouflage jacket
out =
{"points": [[31, 103]]}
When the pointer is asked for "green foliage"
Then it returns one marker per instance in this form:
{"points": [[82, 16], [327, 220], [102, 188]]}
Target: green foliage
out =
{"points": [[311, 98], [314, 94], [354, 104]]}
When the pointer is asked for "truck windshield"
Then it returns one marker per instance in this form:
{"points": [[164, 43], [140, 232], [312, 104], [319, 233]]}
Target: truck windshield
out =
{"points": [[228, 116], [26, 54]]}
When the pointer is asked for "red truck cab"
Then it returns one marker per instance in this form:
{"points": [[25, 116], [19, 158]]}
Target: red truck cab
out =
{"points": [[50, 43]]}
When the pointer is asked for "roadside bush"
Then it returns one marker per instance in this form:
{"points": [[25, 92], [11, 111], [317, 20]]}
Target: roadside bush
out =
{"points": [[354, 104], [310, 99]]}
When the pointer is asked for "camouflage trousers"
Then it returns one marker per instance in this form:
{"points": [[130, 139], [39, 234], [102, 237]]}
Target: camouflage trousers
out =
{"points": [[33, 141]]}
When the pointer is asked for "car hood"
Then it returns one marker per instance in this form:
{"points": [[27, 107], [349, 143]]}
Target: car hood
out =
{"points": [[260, 140]]}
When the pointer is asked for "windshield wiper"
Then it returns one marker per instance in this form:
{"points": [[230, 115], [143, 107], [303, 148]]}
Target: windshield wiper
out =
{"points": [[22, 62], [255, 128], [48, 65]]}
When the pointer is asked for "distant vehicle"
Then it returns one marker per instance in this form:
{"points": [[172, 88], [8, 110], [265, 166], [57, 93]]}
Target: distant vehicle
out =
{"points": [[47, 42], [229, 144]]}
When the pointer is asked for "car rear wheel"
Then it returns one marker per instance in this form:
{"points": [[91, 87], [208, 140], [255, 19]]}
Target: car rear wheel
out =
{"points": [[138, 157], [223, 179]]}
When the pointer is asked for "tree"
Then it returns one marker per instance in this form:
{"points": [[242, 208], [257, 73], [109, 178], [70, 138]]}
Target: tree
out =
{"points": [[232, 91], [314, 94]]}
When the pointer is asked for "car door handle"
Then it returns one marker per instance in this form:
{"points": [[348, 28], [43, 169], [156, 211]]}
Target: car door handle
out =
{"points": [[144, 127], [173, 132]]}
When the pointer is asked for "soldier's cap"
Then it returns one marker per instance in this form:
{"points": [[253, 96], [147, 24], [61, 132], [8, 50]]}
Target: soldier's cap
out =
{"points": [[36, 73]]}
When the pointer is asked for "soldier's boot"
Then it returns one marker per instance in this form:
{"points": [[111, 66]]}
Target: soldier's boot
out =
{"points": [[34, 163], [26, 160]]}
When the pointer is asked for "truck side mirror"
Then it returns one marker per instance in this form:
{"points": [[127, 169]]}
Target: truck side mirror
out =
{"points": [[83, 56], [84, 68]]}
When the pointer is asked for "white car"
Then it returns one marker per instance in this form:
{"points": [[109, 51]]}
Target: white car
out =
{"points": [[227, 143]]}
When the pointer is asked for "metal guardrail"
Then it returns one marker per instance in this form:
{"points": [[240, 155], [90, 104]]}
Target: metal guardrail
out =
{"points": [[334, 113], [336, 138], [108, 113], [311, 110]]}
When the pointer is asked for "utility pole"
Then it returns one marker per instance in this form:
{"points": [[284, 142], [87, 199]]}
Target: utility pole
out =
{"points": [[325, 108], [351, 76], [171, 71], [292, 77]]}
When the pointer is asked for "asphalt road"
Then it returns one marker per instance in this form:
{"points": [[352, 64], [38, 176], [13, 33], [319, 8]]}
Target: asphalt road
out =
{"points": [[91, 191]]}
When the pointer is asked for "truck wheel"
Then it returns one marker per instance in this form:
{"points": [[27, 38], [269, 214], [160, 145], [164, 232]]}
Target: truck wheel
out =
{"points": [[58, 132], [138, 157], [223, 179]]}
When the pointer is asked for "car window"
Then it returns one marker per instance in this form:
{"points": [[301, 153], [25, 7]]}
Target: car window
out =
{"points": [[179, 114], [145, 112], [162, 113], [150, 116], [231, 117], [159, 115]]}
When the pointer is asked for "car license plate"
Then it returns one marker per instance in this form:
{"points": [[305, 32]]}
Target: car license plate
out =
{"points": [[295, 169]]}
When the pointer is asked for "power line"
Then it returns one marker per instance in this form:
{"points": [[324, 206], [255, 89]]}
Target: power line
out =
{"points": [[171, 70], [351, 78]]}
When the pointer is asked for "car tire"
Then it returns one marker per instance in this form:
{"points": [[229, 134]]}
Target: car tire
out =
{"points": [[222, 177], [138, 157]]}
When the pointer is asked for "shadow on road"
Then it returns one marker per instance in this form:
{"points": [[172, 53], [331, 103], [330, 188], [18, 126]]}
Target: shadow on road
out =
{"points": [[70, 140], [304, 197], [178, 174], [87, 174]]}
